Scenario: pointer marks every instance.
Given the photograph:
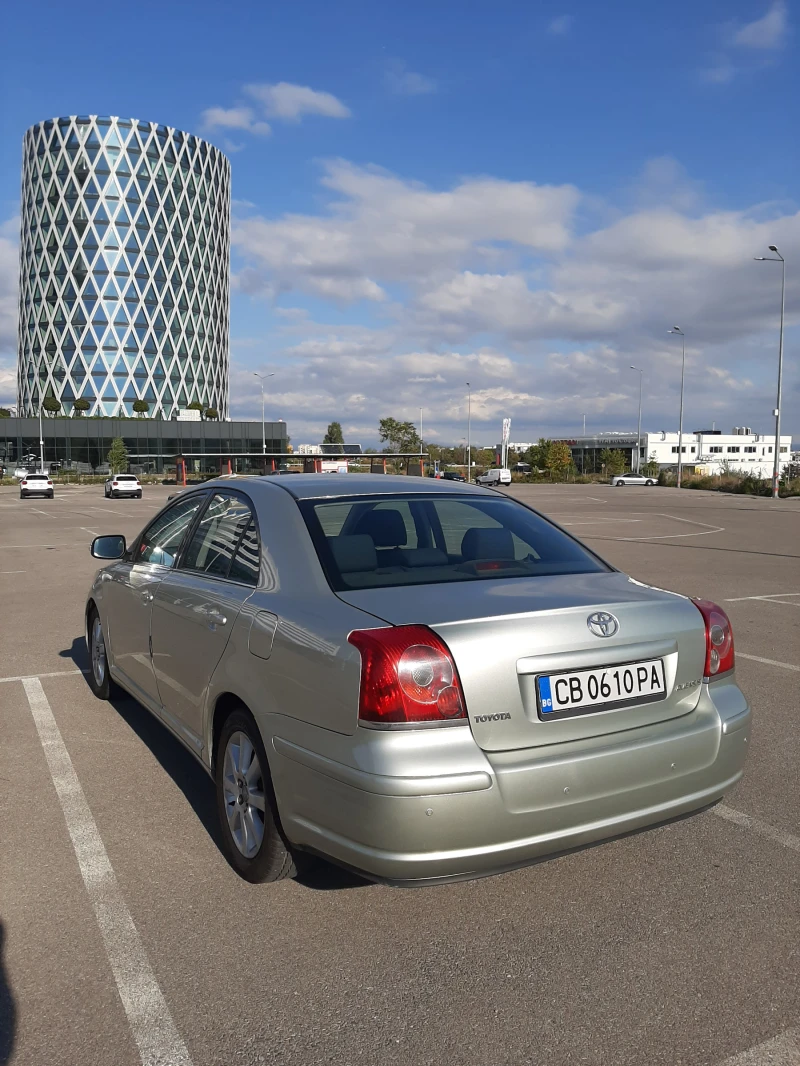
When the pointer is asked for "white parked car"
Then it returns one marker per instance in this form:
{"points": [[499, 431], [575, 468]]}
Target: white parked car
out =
{"points": [[123, 485], [496, 476], [632, 479], [36, 485]]}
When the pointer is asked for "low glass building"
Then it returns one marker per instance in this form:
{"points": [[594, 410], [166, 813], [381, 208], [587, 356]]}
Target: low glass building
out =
{"points": [[124, 268], [152, 445]]}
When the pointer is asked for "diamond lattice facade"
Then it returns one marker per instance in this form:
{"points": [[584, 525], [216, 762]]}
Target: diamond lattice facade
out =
{"points": [[124, 268]]}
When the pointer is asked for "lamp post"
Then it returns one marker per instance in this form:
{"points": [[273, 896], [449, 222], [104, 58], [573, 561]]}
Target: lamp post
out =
{"points": [[41, 438], [776, 469], [679, 331], [261, 378], [639, 430], [469, 432], [420, 431]]}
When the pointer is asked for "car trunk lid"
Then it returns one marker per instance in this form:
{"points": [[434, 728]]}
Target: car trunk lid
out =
{"points": [[503, 634]]}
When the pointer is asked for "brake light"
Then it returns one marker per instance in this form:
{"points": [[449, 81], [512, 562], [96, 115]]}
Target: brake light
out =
{"points": [[407, 677], [719, 638]]}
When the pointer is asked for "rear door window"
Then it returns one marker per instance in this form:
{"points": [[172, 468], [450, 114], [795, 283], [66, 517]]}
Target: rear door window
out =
{"points": [[218, 535]]}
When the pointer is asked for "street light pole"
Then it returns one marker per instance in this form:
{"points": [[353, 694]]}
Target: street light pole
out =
{"points": [[679, 331], [776, 468], [639, 430], [469, 432], [263, 424], [41, 438]]}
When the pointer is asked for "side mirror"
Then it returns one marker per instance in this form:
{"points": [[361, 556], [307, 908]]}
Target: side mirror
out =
{"points": [[110, 547]]}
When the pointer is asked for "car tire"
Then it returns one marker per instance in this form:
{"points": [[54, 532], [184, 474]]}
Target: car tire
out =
{"points": [[619, 484], [649, 482], [51, 495], [252, 840], [139, 494], [99, 677]]}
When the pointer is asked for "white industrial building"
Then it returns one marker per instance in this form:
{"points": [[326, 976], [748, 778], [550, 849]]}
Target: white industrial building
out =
{"points": [[706, 451], [713, 452]]}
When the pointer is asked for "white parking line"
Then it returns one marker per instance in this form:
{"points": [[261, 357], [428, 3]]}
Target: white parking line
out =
{"points": [[784, 1050], [13, 571], [706, 532], [766, 596], [55, 673], [768, 662], [152, 1027], [90, 531], [746, 821], [36, 511]]}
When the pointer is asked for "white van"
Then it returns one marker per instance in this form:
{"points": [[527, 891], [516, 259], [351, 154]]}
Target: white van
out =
{"points": [[496, 476]]}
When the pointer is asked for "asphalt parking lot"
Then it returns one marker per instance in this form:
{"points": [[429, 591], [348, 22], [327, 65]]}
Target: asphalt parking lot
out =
{"points": [[127, 938]]}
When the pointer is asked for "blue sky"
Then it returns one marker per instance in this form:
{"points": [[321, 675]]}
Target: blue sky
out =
{"points": [[522, 195]]}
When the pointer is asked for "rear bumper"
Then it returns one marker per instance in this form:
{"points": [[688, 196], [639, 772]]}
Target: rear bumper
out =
{"points": [[496, 811]]}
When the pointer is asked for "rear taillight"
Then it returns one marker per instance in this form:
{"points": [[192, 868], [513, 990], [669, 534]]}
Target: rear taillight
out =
{"points": [[719, 638], [407, 677]]}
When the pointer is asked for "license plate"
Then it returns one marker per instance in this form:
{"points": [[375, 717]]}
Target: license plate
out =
{"points": [[604, 689]]}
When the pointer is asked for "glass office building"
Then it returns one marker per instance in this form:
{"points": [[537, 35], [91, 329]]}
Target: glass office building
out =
{"points": [[124, 268]]}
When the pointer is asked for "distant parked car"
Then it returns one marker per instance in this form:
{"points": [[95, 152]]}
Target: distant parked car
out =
{"points": [[452, 475], [36, 485], [521, 468], [631, 479], [496, 476], [123, 485]]}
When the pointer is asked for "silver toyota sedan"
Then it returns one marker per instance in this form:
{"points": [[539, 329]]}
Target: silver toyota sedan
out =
{"points": [[419, 680]]}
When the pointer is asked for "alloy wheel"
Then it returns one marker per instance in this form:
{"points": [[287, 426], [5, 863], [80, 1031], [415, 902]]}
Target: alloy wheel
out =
{"points": [[98, 653], [243, 788]]}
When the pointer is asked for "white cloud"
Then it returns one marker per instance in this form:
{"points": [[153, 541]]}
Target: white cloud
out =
{"points": [[234, 118], [382, 229], [290, 102], [561, 25], [767, 32], [488, 282], [747, 47], [406, 82]]}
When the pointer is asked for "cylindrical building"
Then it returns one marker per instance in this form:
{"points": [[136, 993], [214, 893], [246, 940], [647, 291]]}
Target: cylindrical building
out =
{"points": [[124, 268]]}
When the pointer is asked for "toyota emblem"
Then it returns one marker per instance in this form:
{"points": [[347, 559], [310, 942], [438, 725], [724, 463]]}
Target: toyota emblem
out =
{"points": [[602, 624]]}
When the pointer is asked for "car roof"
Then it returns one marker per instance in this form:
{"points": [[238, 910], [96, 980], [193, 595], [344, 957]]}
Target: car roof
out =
{"points": [[320, 486]]}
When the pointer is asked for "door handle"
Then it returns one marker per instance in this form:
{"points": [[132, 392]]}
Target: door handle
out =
{"points": [[147, 597], [216, 617]]}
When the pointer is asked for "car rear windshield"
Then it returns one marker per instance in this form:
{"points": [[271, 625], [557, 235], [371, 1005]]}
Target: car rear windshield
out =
{"points": [[380, 541], [36, 477], [124, 477]]}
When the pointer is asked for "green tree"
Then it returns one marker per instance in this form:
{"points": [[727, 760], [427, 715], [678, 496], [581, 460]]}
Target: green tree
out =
{"points": [[401, 436], [651, 467], [211, 413], [51, 405], [4, 412], [141, 407], [558, 459], [334, 434], [80, 406], [118, 456], [536, 455], [195, 405], [613, 460]]}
